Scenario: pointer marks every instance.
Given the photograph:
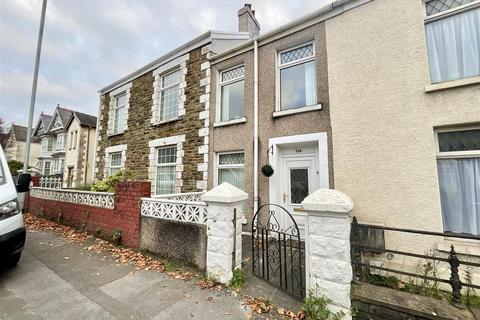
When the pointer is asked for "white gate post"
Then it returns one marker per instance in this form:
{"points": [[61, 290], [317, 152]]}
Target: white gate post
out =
{"points": [[327, 247], [224, 230]]}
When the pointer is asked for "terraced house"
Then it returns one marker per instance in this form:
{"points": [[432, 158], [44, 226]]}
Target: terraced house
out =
{"points": [[356, 97], [155, 121]]}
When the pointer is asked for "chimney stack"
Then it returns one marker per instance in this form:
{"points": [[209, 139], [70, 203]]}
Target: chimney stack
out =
{"points": [[247, 21]]}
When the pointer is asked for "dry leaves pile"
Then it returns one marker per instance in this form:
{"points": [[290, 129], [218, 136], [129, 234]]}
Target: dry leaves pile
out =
{"points": [[71, 235], [260, 305], [210, 284]]}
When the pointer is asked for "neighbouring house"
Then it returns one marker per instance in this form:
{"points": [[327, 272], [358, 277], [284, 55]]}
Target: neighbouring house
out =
{"points": [[15, 145], [80, 149], [155, 121], [378, 99], [67, 145]]}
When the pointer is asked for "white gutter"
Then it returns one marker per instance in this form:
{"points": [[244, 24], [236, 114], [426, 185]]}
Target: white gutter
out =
{"points": [[255, 126]]}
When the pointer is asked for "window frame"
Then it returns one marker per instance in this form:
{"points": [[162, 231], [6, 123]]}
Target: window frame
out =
{"points": [[61, 138], [448, 83], [455, 154], [49, 168], [168, 164], [115, 110], [162, 89], [279, 66], [219, 166], [110, 162], [218, 118]]}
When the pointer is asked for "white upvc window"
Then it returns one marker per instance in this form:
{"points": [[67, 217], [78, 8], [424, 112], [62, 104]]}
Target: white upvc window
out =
{"points": [[170, 95], [453, 39], [231, 169], [458, 162], [119, 113], [115, 163], [231, 88], [296, 77], [165, 171], [61, 138], [47, 144], [46, 168], [62, 166]]}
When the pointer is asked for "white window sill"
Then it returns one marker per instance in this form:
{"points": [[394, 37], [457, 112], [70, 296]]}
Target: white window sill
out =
{"points": [[297, 110], [113, 135], [452, 84], [230, 122], [462, 246], [156, 123]]}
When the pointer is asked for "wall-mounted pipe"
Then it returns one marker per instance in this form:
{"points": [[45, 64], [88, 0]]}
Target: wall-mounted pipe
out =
{"points": [[255, 126]]}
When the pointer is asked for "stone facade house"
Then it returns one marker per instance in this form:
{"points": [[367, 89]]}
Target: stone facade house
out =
{"points": [[15, 142], [155, 122], [67, 145]]}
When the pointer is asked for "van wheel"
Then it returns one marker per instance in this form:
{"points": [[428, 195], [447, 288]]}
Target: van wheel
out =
{"points": [[13, 260]]}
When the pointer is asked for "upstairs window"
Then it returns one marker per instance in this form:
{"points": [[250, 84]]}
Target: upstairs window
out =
{"points": [[170, 95], [119, 113], [453, 39], [115, 163], [458, 161], [61, 141], [232, 93], [297, 77], [47, 144], [166, 168]]}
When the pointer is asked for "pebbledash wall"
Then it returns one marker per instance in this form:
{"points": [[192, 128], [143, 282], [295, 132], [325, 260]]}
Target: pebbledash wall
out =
{"points": [[141, 131], [100, 220]]}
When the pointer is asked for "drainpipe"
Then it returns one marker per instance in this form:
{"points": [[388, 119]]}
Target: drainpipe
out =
{"points": [[86, 158], [255, 126]]}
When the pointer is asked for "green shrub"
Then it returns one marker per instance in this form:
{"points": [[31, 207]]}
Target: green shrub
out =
{"points": [[108, 184], [117, 236], [238, 281], [84, 187], [14, 166], [316, 308]]}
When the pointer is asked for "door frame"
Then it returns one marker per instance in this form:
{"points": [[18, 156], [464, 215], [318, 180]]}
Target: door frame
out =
{"points": [[275, 160]]}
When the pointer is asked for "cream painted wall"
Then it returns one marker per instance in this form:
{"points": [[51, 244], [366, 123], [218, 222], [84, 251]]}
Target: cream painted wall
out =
{"points": [[72, 153], [15, 150], [383, 121]]}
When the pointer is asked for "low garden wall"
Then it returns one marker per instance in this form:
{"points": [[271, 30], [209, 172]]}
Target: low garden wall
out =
{"points": [[97, 212], [174, 227]]}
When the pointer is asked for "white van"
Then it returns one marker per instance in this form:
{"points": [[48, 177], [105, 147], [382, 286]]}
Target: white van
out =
{"points": [[12, 228]]}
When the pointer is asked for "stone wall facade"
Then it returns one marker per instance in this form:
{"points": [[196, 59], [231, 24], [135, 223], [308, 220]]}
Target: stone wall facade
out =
{"points": [[140, 129]]}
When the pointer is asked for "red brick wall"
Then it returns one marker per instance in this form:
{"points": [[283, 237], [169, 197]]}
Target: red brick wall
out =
{"points": [[100, 221]]}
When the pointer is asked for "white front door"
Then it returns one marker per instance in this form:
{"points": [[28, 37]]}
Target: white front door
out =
{"points": [[299, 178]]}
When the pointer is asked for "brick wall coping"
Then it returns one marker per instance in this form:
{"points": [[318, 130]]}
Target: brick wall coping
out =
{"points": [[90, 198]]}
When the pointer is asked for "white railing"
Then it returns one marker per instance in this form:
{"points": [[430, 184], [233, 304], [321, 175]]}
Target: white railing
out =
{"points": [[178, 210], [89, 198], [188, 196], [51, 182]]}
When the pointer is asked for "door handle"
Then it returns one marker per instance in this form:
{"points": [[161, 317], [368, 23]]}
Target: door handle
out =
{"points": [[285, 197]]}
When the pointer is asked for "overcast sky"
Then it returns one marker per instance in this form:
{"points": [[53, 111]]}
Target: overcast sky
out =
{"points": [[91, 43]]}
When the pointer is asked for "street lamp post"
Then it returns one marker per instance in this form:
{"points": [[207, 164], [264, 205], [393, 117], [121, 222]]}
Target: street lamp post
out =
{"points": [[34, 89]]}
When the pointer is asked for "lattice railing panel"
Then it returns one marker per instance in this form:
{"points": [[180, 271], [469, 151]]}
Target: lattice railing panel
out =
{"points": [[51, 182], [96, 199], [191, 196], [436, 6], [178, 210]]}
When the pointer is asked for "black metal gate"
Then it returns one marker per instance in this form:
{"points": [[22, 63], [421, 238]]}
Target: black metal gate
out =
{"points": [[278, 253]]}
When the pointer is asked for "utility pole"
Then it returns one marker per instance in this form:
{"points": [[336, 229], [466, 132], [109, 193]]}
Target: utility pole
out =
{"points": [[34, 89]]}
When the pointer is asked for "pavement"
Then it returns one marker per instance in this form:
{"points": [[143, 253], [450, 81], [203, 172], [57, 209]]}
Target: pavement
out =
{"points": [[56, 279]]}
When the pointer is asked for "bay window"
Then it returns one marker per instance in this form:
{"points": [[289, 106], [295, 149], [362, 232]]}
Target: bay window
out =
{"points": [[166, 168], [458, 161], [230, 168], [170, 95], [453, 39], [232, 93], [297, 77], [61, 141]]}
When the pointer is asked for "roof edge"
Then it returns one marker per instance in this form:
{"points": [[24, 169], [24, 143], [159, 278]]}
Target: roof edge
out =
{"points": [[196, 42], [326, 11]]}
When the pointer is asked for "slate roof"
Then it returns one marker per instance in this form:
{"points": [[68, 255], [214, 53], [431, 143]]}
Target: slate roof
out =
{"points": [[86, 119], [21, 133]]}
